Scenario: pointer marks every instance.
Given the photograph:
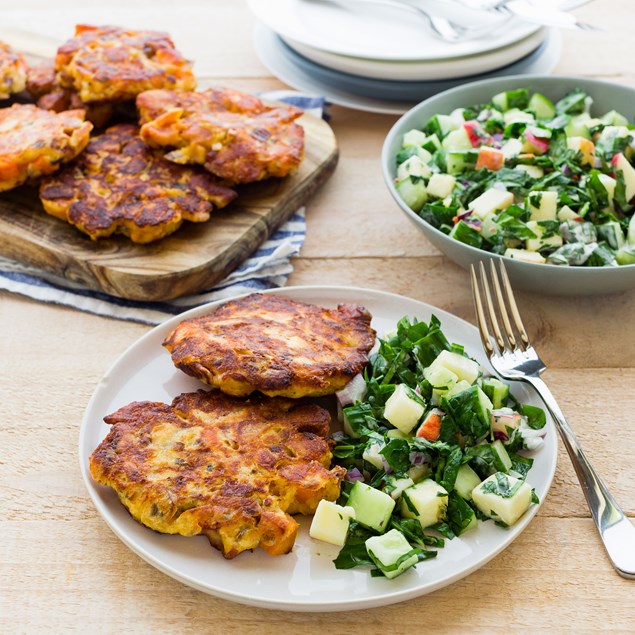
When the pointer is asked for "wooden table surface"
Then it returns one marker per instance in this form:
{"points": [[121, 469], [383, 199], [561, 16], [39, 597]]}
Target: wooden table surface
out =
{"points": [[63, 570]]}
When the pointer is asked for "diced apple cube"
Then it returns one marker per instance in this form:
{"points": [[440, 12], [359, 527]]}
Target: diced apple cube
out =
{"points": [[413, 166], [524, 255], [585, 147], [372, 454], [502, 497], [457, 140], [512, 147], [490, 158], [441, 185], [491, 201], [463, 367], [426, 501], [566, 213], [331, 522], [401, 410], [621, 163], [538, 243], [543, 205], [609, 184]]}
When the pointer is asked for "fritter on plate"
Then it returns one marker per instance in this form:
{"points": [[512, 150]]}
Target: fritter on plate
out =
{"points": [[274, 345], [233, 135], [12, 72], [34, 142], [44, 87], [228, 468], [109, 63], [120, 185]]}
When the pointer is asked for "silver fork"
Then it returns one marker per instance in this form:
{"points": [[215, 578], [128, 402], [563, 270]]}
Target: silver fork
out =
{"points": [[514, 358], [440, 26]]}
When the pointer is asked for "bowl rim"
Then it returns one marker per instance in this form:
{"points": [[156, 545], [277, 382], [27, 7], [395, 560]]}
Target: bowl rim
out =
{"points": [[396, 129]]}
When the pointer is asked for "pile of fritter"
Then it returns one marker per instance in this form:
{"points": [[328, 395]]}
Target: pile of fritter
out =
{"points": [[192, 149], [235, 468]]}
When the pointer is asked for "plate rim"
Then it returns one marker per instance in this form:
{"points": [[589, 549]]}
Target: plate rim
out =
{"points": [[344, 294]]}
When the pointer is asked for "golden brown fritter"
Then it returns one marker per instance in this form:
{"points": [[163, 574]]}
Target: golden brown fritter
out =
{"points": [[120, 185], [12, 72], [109, 63], [275, 345], [42, 84], [34, 142], [228, 468], [233, 135]]}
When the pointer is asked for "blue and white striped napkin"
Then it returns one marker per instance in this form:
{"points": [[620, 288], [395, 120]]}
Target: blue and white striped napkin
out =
{"points": [[269, 266]]}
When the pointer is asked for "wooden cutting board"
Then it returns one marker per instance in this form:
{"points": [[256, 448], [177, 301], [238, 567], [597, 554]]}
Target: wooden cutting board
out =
{"points": [[190, 260]]}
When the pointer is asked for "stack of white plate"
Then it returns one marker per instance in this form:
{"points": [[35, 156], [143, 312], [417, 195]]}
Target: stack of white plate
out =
{"points": [[382, 58]]}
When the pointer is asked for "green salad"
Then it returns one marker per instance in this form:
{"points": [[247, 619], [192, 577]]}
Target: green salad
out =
{"points": [[431, 446], [526, 178]]}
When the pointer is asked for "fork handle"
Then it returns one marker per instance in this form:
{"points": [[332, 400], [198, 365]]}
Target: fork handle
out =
{"points": [[616, 530]]}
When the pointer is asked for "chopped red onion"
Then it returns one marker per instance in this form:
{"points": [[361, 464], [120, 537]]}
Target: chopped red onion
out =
{"points": [[338, 436], [386, 465], [500, 435], [418, 458], [354, 475], [497, 136], [463, 215]]}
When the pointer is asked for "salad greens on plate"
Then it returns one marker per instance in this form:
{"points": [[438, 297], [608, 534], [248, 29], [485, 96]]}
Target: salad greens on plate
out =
{"points": [[526, 178], [431, 446]]}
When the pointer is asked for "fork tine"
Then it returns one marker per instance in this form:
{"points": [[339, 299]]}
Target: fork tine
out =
{"points": [[480, 314], [524, 338], [491, 311], [501, 306]]}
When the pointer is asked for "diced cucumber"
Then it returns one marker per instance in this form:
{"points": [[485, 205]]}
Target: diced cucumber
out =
{"points": [[392, 553], [372, 506], [514, 115], [497, 391], [518, 98], [466, 480], [501, 458], [413, 138], [402, 410], [440, 376], [459, 387], [614, 118], [612, 233], [431, 144], [460, 516], [456, 162], [542, 107], [418, 472], [440, 125], [426, 501], [578, 126], [466, 234], [460, 365], [331, 522], [625, 255], [630, 235], [502, 497], [413, 166], [413, 192]]}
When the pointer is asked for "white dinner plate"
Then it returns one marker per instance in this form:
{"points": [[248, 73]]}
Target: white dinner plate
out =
{"points": [[426, 70], [305, 579], [375, 31], [371, 95]]}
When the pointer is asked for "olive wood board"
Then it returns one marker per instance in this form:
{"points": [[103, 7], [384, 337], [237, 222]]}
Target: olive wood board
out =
{"points": [[189, 261]]}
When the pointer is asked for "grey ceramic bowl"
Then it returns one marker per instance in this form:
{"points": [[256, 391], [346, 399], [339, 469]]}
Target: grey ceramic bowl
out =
{"points": [[541, 278]]}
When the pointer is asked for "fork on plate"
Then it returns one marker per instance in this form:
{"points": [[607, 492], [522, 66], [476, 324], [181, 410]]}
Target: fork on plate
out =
{"points": [[514, 358]]}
